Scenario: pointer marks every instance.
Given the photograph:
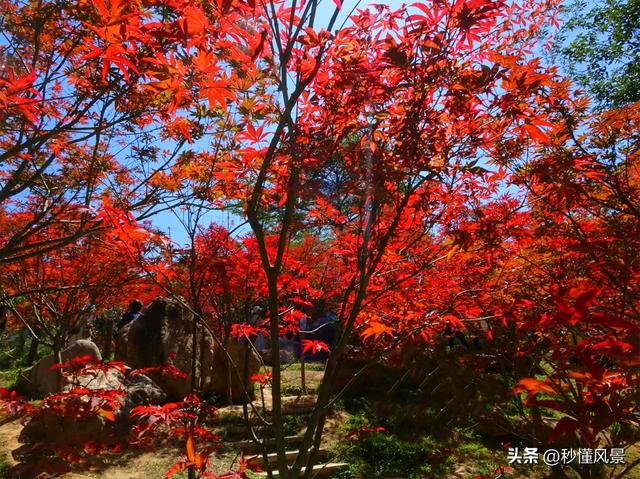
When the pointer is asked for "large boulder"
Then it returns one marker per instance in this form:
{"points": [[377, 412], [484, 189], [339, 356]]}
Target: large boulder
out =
{"points": [[41, 380], [64, 430], [57, 430], [164, 335]]}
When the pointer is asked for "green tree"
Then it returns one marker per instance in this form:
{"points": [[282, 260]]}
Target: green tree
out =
{"points": [[599, 46]]}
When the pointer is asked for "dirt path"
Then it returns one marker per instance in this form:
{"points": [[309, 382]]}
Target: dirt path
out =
{"points": [[9, 433]]}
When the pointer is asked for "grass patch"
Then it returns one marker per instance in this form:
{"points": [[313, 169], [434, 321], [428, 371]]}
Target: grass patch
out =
{"points": [[293, 424], [408, 452], [381, 454], [313, 366], [5, 468]]}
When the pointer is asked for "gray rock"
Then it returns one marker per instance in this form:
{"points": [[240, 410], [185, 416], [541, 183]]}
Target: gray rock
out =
{"points": [[286, 357], [111, 380], [142, 391], [236, 375], [41, 380], [49, 428]]}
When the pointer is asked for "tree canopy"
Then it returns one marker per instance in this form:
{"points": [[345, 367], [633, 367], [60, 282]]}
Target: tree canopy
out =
{"points": [[599, 46]]}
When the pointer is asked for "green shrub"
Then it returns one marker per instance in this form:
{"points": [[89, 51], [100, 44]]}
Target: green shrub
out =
{"points": [[380, 454]]}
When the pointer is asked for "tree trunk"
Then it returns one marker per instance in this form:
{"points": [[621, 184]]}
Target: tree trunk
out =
{"points": [[108, 338], [194, 353], [58, 358], [33, 352]]}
